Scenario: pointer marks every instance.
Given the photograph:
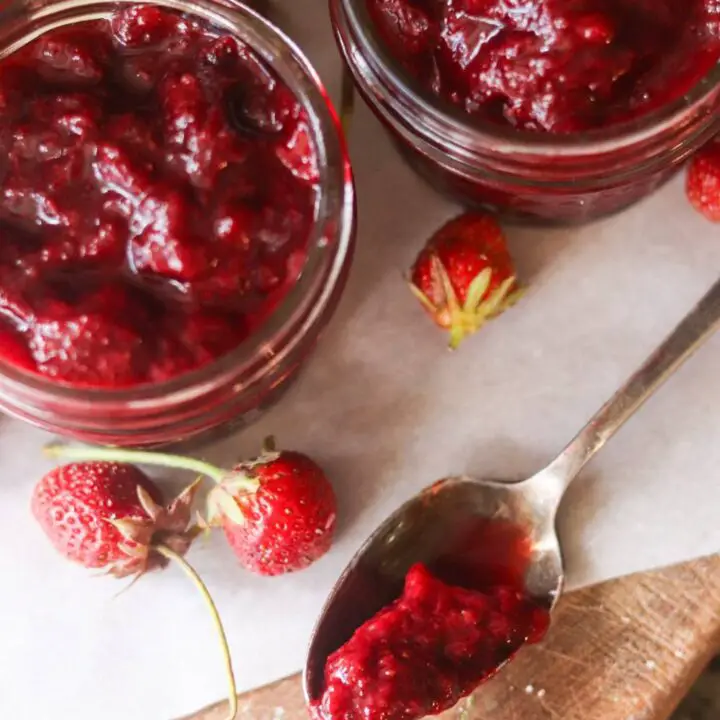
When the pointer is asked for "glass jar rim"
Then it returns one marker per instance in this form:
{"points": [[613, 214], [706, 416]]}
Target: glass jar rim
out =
{"points": [[449, 122], [330, 240]]}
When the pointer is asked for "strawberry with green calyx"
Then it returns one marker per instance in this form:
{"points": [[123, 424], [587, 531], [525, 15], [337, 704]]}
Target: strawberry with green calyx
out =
{"points": [[111, 516], [286, 522], [278, 511], [464, 276]]}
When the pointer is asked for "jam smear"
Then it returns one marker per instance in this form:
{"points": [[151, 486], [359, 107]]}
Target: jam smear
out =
{"points": [[157, 190], [427, 650], [556, 66]]}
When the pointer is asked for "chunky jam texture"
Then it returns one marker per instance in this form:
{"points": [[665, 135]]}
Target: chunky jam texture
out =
{"points": [[157, 190], [427, 650], [558, 66]]}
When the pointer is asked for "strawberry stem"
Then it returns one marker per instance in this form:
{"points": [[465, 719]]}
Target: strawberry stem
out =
{"points": [[119, 455], [200, 585]]}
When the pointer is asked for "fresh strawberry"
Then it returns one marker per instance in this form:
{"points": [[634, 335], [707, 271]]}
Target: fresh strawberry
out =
{"points": [[108, 515], [464, 275], [703, 181], [278, 512]]}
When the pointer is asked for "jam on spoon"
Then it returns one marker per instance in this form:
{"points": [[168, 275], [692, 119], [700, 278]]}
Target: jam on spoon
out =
{"points": [[157, 193], [427, 650], [458, 618]]}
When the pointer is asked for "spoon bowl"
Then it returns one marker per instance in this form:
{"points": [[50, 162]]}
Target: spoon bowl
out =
{"points": [[472, 532]]}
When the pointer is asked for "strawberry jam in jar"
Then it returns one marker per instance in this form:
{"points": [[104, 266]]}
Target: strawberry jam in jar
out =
{"points": [[177, 214], [554, 111]]}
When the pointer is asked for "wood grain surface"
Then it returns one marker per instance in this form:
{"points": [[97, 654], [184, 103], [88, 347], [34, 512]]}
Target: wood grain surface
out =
{"points": [[624, 650]]}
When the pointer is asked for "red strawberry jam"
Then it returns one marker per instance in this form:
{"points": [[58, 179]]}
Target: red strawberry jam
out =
{"points": [[553, 65], [425, 651], [156, 196]]}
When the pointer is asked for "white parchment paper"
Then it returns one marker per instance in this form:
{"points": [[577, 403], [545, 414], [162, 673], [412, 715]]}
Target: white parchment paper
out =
{"points": [[387, 410]]}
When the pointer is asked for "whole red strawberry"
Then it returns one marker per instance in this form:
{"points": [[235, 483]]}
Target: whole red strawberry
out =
{"points": [[278, 511], [107, 515], [703, 181], [464, 275]]}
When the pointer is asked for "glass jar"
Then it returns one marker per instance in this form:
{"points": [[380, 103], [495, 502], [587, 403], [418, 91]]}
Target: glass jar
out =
{"points": [[234, 389], [528, 176]]}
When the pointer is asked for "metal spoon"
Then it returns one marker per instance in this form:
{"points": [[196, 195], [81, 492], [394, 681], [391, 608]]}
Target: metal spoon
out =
{"points": [[429, 526]]}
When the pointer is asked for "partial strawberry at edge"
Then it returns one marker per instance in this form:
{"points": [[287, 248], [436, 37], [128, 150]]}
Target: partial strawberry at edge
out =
{"points": [[464, 275], [109, 515], [278, 512], [703, 181]]}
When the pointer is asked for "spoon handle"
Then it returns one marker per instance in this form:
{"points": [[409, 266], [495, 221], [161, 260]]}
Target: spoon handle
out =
{"points": [[687, 337]]}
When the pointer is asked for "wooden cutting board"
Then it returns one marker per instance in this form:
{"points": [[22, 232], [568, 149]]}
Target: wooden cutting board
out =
{"points": [[628, 649]]}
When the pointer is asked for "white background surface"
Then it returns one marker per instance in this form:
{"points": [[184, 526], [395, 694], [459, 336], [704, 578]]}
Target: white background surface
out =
{"points": [[387, 410]]}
